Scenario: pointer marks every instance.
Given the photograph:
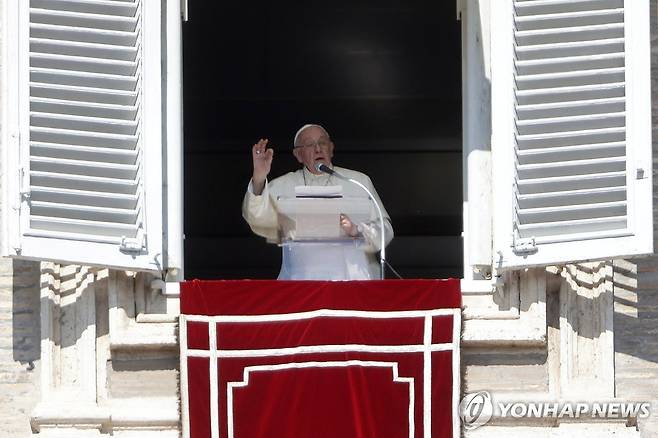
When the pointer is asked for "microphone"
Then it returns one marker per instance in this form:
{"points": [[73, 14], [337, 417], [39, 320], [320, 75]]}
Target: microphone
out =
{"points": [[321, 167]]}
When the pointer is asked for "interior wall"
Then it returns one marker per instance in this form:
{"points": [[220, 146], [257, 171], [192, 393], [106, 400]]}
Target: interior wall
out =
{"points": [[384, 79]]}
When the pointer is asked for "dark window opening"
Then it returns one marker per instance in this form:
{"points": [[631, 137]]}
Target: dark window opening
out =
{"points": [[384, 78]]}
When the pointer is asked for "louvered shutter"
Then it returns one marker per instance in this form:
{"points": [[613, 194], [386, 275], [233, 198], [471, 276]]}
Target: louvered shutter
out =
{"points": [[571, 130], [91, 142]]}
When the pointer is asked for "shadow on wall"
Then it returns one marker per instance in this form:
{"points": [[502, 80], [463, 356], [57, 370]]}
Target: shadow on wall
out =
{"points": [[26, 321], [76, 300], [587, 289], [636, 282], [636, 308]]}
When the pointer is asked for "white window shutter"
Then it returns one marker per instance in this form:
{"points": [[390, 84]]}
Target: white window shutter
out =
{"points": [[571, 131], [89, 176]]}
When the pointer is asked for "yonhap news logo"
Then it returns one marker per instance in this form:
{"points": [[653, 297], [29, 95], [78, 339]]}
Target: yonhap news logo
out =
{"points": [[477, 409]]}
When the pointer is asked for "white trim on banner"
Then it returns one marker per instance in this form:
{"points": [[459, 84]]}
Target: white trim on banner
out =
{"points": [[316, 364]]}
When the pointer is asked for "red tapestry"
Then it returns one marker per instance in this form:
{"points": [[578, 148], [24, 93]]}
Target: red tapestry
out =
{"points": [[315, 359]]}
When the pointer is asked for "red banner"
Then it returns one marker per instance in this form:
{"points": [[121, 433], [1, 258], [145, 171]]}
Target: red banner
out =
{"points": [[320, 359]]}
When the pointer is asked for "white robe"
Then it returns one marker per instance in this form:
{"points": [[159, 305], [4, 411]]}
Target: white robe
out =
{"points": [[328, 262]]}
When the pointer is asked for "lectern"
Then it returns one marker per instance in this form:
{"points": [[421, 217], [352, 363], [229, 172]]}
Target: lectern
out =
{"points": [[314, 246]]}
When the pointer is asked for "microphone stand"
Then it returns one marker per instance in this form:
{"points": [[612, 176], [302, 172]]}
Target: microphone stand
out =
{"points": [[382, 253]]}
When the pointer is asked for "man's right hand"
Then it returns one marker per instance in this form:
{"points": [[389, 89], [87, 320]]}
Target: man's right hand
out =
{"points": [[262, 158]]}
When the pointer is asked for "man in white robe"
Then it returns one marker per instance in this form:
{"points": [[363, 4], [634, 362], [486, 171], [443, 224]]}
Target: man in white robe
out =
{"points": [[313, 145]]}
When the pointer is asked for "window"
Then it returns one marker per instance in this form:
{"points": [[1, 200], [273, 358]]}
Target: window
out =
{"points": [[571, 137], [85, 152]]}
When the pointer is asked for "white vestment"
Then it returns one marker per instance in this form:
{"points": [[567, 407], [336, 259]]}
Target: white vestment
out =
{"points": [[320, 261]]}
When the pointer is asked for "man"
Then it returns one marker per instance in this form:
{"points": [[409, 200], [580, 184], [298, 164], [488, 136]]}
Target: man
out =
{"points": [[313, 145]]}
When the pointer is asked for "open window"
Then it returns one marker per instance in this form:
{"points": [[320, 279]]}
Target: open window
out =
{"points": [[571, 131], [383, 78], [85, 158]]}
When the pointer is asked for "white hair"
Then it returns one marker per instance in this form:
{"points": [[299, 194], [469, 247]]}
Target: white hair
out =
{"points": [[308, 125]]}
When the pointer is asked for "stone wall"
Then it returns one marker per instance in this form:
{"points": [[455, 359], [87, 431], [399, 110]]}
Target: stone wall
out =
{"points": [[19, 345], [103, 370]]}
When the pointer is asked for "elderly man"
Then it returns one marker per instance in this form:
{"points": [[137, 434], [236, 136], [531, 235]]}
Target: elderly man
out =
{"points": [[312, 145]]}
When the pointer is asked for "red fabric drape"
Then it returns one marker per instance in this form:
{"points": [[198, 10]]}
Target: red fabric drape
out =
{"points": [[322, 359]]}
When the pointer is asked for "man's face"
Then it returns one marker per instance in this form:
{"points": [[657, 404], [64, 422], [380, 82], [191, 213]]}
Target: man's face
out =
{"points": [[314, 146]]}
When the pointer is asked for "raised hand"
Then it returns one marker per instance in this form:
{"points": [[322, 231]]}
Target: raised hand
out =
{"points": [[262, 159]]}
